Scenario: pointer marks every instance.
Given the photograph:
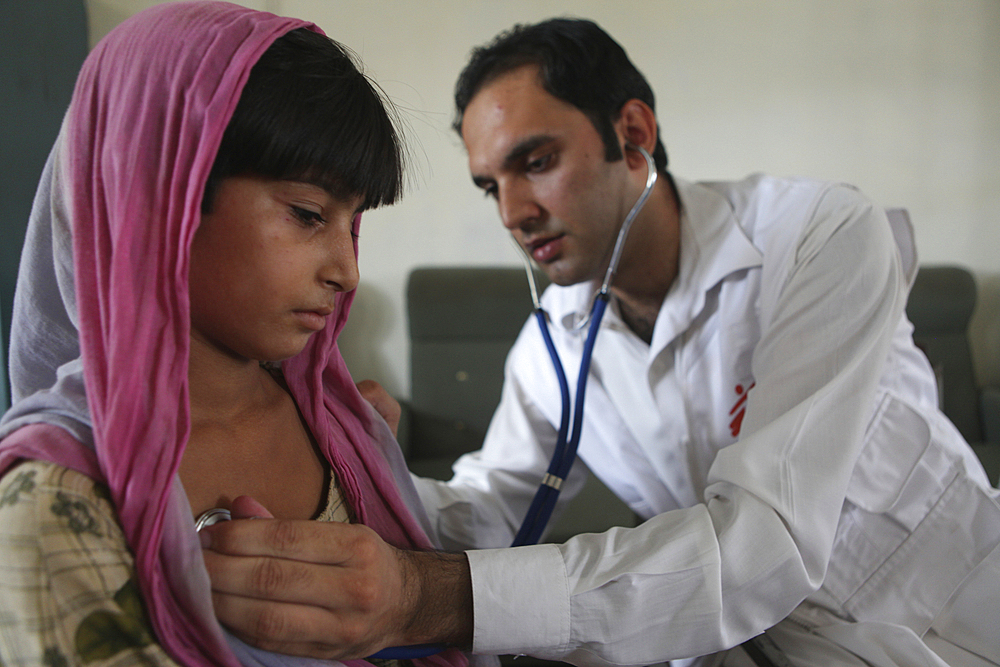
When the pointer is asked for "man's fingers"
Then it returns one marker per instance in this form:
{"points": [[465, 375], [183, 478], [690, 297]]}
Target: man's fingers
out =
{"points": [[345, 572], [246, 507], [279, 579], [384, 404], [288, 628], [312, 541], [307, 587]]}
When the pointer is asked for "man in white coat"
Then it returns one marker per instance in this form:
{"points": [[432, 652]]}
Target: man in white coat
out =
{"points": [[755, 397]]}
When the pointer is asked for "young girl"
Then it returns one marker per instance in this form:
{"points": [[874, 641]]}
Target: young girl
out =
{"points": [[190, 260]]}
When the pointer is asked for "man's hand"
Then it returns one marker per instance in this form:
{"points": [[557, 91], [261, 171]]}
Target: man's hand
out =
{"points": [[332, 590], [383, 403]]}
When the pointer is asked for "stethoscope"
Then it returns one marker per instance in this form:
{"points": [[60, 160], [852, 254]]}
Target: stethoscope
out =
{"points": [[571, 424], [571, 420]]}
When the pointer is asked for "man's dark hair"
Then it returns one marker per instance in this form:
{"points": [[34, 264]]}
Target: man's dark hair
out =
{"points": [[308, 113], [578, 62]]}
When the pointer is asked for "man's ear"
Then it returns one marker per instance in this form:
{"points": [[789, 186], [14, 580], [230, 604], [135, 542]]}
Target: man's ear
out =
{"points": [[636, 125]]}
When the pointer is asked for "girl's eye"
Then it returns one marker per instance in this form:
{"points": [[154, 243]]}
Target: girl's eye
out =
{"points": [[490, 191], [307, 217]]}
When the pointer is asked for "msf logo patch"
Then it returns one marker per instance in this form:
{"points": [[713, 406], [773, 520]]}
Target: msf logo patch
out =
{"points": [[739, 408]]}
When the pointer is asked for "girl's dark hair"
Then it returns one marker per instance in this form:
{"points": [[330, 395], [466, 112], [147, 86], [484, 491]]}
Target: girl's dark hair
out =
{"points": [[308, 113], [579, 63]]}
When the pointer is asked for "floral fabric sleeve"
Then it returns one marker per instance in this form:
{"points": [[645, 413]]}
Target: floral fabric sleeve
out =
{"points": [[67, 581]]}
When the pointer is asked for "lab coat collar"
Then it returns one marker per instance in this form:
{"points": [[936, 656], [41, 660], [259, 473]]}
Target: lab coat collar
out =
{"points": [[712, 246]]}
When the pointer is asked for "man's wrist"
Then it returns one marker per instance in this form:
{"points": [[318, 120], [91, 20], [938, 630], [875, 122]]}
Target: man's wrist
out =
{"points": [[438, 597]]}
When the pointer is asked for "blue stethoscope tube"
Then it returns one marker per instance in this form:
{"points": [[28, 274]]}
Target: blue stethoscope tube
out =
{"points": [[564, 453]]}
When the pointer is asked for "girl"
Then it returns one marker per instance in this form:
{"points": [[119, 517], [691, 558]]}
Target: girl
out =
{"points": [[190, 260]]}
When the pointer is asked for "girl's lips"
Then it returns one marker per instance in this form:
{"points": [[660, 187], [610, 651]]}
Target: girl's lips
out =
{"points": [[311, 319], [546, 250]]}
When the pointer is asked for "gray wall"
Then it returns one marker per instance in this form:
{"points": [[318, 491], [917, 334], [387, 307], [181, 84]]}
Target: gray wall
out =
{"points": [[42, 44]]}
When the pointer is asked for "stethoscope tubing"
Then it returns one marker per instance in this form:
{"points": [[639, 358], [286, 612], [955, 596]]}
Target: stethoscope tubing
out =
{"points": [[564, 454], [532, 518]]}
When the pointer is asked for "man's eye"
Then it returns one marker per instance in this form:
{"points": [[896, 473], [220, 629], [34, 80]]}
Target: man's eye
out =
{"points": [[490, 191], [539, 164], [307, 217]]}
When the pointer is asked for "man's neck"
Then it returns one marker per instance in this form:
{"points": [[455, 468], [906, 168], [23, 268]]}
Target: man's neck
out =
{"points": [[640, 320], [650, 262]]}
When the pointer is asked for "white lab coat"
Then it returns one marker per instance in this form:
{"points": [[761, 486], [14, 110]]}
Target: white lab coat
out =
{"points": [[781, 438]]}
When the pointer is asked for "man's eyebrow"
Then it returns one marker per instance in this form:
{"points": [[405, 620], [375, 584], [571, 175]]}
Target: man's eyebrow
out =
{"points": [[524, 147], [516, 154]]}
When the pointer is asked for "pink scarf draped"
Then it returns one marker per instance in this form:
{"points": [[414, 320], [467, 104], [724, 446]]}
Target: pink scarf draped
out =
{"points": [[150, 106]]}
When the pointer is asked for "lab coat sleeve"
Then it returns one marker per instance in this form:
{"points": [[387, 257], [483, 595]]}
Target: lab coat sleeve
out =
{"points": [[698, 580], [484, 503]]}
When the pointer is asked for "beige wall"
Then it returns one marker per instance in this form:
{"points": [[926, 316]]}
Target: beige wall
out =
{"points": [[898, 97]]}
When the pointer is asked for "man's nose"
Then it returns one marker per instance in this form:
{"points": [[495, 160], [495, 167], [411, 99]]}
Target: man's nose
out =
{"points": [[517, 206]]}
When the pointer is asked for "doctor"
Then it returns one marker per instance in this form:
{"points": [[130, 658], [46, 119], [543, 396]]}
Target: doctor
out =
{"points": [[755, 396]]}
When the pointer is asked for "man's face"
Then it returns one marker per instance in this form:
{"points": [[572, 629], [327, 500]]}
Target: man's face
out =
{"points": [[543, 162]]}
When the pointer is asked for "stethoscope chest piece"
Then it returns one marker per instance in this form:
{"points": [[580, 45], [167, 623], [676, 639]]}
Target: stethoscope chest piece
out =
{"points": [[211, 517]]}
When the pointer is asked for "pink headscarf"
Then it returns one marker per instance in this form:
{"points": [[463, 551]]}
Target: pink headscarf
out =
{"points": [[100, 371]]}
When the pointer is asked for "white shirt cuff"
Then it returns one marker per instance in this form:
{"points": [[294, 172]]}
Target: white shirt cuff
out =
{"points": [[520, 600]]}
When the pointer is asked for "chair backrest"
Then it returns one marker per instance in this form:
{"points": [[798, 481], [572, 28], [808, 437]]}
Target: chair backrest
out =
{"points": [[940, 305], [462, 323]]}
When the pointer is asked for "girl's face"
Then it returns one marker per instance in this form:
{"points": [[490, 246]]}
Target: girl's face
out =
{"points": [[266, 265]]}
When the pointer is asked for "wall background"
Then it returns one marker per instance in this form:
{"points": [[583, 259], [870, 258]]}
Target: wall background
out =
{"points": [[897, 97], [42, 45]]}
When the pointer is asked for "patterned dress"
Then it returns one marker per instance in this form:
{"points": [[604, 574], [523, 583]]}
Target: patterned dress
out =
{"points": [[68, 590]]}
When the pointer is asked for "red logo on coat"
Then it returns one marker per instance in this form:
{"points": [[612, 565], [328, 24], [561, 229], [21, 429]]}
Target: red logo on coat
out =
{"points": [[739, 408]]}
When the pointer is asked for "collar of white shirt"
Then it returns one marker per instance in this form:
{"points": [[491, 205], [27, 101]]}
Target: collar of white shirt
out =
{"points": [[713, 246]]}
